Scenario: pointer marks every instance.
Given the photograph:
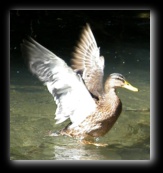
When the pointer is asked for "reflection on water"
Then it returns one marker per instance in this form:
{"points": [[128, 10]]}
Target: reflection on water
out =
{"points": [[32, 116]]}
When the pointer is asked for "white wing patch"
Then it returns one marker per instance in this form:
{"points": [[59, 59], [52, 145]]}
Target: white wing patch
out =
{"points": [[70, 94], [72, 98]]}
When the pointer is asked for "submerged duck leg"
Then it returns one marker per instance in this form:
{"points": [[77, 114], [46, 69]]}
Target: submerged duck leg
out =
{"points": [[86, 142], [50, 133]]}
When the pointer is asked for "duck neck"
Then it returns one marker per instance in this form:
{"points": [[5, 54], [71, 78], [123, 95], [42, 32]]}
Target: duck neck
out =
{"points": [[111, 93], [113, 102], [111, 96]]}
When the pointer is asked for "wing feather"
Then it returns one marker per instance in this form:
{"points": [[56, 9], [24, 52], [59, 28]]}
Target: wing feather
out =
{"points": [[87, 59], [70, 94]]}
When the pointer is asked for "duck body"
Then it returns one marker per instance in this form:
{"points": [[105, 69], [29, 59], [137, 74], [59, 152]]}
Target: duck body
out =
{"points": [[78, 91], [100, 121]]}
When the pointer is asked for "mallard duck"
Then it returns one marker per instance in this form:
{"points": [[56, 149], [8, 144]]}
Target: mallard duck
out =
{"points": [[78, 91]]}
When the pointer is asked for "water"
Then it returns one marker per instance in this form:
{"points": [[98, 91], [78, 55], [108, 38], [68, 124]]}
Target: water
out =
{"points": [[32, 112]]}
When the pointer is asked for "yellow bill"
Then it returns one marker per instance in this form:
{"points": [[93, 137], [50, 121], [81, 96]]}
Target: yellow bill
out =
{"points": [[129, 87]]}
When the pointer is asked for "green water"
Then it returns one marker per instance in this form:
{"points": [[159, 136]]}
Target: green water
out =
{"points": [[32, 112]]}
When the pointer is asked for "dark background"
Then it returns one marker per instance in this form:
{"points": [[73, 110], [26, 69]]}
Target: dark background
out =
{"points": [[59, 30]]}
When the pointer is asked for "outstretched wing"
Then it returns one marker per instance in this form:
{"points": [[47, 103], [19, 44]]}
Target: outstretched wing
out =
{"points": [[72, 97], [87, 60]]}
